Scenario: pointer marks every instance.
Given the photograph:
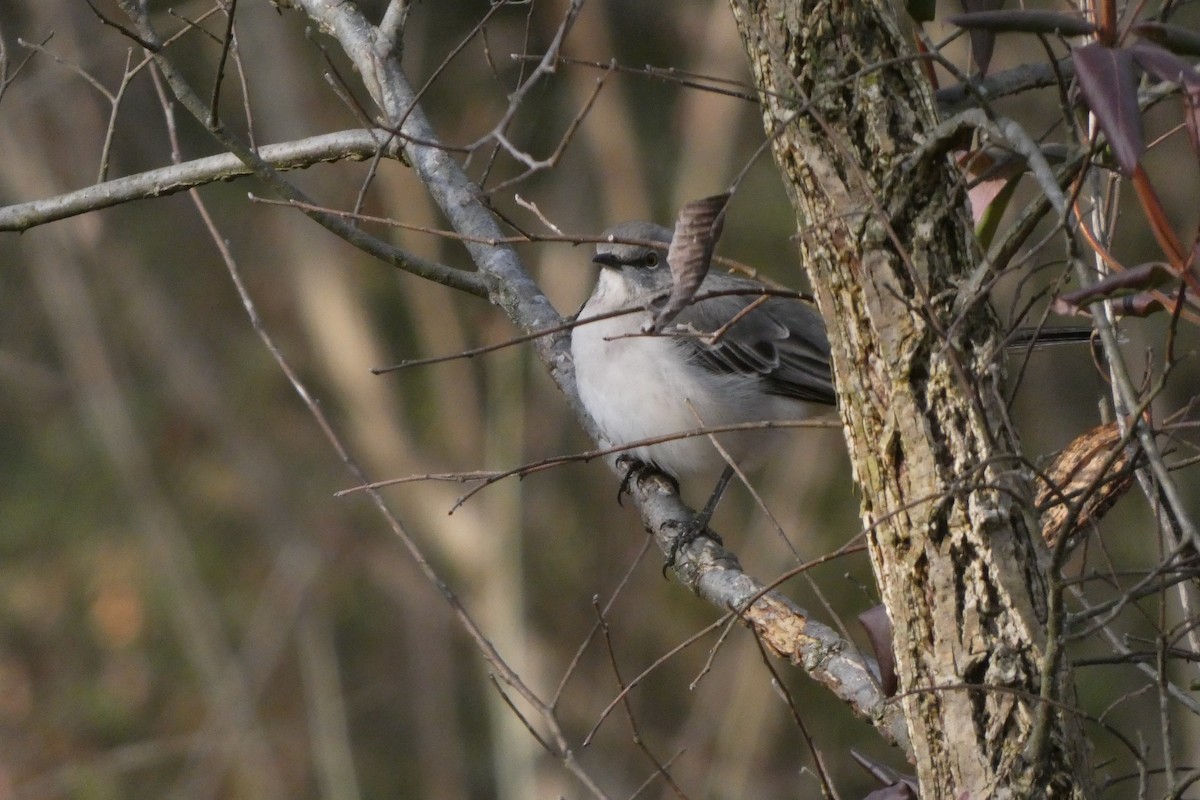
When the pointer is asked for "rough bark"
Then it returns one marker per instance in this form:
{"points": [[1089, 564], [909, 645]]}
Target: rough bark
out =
{"points": [[886, 238]]}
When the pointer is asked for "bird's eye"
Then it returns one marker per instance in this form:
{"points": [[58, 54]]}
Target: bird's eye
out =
{"points": [[651, 259]]}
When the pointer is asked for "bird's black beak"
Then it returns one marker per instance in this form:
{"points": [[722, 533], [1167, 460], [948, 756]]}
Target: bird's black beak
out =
{"points": [[607, 260]]}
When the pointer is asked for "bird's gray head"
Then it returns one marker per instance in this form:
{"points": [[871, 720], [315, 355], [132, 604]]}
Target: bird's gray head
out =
{"points": [[639, 263]]}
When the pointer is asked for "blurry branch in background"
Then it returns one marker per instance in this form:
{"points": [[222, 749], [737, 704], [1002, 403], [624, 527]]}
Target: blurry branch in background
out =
{"points": [[556, 744], [683, 78], [352, 145], [660, 767], [486, 478], [951, 99], [8, 73], [113, 98], [298, 566], [148, 37]]}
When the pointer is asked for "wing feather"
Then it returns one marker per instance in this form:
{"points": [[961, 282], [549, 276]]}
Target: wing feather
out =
{"points": [[782, 341]]}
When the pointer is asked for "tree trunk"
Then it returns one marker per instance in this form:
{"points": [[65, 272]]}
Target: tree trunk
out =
{"points": [[887, 240]]}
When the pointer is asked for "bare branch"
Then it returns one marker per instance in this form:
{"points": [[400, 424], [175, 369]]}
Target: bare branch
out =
{"points": [[715, 574], [354, 145], [391, 27], [214, 117]]}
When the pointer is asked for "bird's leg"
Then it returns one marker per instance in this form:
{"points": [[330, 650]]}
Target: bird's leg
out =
{"points": [[705, 516], [698, 526]]}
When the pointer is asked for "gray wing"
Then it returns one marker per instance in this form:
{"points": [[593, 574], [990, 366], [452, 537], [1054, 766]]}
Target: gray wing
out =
{"points": [[781, 341]]}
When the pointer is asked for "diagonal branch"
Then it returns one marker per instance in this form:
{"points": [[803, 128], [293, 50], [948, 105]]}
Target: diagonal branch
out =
{"points": [[715, 574], [711, 572]]}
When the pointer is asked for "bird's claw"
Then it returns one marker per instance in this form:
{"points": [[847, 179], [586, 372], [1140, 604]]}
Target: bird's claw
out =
{"points": [[690, 531], [633, 469]]}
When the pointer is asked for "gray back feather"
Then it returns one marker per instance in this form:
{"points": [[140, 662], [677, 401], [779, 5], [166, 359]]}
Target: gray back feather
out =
{"points": [[782, 341]]}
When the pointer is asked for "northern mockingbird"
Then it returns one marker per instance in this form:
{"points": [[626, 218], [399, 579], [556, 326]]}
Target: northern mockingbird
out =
{"points": [[732, 356], [708, 367]]}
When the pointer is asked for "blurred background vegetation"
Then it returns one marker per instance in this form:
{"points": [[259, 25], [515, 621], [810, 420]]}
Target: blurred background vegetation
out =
{"points": [[186, 610]]}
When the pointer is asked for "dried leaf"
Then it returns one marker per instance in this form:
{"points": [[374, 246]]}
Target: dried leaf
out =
{"points": [[1024, 21], [696, 232], [1077, 478], [1108, 86], [879, 631]]}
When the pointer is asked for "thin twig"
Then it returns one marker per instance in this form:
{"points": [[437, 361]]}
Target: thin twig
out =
{"points": [[214, 116]]}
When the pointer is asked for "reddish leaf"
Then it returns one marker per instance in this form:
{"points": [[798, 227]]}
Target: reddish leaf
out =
{"points": [[1119, 284], [992, 186], [989, 200], [1022, 21], [1173, 37], [1109, 88], [1131, 305], [1144, 276], [983, 41], [1191, 117], [1134, 292], [921, 10], [879, 630], [1166, 66]]}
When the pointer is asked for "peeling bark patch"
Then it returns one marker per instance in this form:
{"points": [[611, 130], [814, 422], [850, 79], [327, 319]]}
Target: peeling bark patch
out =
{"points": [[895, 455]]}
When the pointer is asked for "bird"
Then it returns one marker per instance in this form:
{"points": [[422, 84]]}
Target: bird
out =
{"points": [[735, 355]]}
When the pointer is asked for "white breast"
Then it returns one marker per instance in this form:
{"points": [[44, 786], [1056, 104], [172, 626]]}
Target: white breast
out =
{"points": [[640, 387]]}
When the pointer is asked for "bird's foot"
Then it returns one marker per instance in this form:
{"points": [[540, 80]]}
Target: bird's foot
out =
{"points": [[698, 526], [690, 531], [633, 469]]}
